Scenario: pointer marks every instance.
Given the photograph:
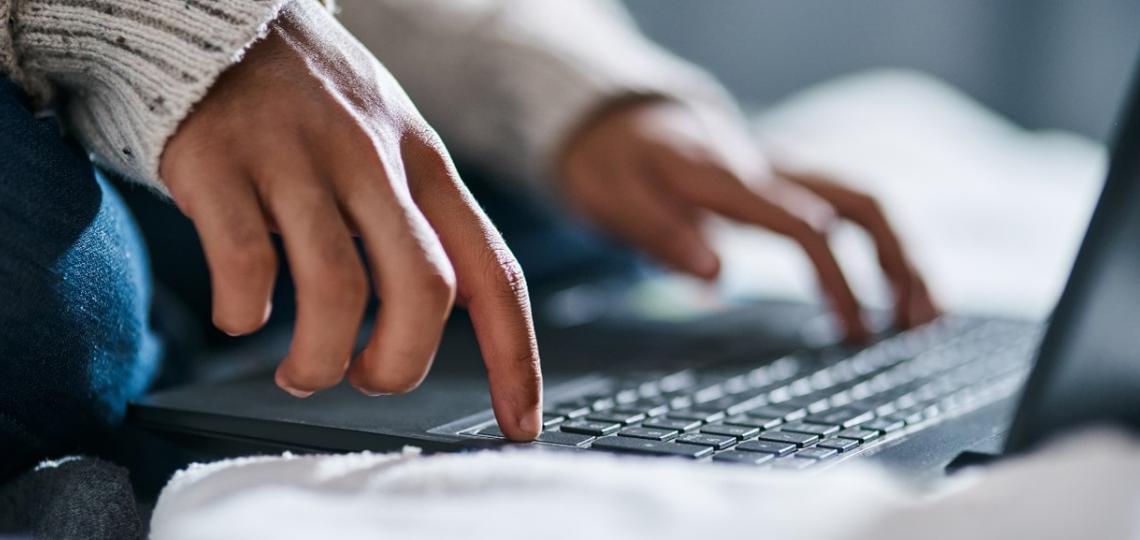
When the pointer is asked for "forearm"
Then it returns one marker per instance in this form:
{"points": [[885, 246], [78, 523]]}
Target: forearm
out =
{"points": [[507, 81], [124, 73]]}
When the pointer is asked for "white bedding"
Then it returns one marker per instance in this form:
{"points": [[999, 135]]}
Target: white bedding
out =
{"points": [[1083, 488]]}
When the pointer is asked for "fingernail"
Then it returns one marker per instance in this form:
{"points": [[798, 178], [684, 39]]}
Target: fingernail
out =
{"points": [[369, 393], [302, 394], [531, 423]]}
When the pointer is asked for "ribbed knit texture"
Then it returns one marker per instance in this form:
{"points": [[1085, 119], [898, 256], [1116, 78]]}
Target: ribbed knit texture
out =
{"points": [[504, 81], [126, 71]]}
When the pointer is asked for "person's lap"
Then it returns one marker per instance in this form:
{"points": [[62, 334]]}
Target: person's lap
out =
{"points": [[75, 342]]}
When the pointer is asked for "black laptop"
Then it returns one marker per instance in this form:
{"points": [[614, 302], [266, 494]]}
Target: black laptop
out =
{"points": [[749, 385]]}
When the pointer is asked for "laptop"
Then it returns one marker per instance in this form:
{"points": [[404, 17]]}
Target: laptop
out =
{"points": [[751, 385]]}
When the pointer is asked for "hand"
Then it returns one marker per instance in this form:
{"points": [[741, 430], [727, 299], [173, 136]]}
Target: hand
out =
{"points": [[647, 171], [309, 136]]}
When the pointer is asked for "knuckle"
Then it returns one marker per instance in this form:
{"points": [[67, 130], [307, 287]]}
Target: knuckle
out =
{"points": [[507, 277], [437, 284], [866, 205], [428, 163], [426, 141]]}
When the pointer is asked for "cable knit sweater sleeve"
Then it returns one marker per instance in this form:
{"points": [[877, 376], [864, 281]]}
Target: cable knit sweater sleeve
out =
{"points": [[126, 72], [506, 81]]}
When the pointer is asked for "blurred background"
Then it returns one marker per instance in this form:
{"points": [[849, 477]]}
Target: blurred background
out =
{"points": [[1042, 63], [992, 214]]}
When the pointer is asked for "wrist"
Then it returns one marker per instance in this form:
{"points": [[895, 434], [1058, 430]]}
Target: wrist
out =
{"points": [[604, 113]]}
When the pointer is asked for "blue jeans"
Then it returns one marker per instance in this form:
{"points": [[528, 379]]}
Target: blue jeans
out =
{"points": [[75, 342]]}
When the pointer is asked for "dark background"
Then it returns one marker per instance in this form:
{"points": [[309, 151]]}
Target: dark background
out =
{"points": [[1043, 63]]}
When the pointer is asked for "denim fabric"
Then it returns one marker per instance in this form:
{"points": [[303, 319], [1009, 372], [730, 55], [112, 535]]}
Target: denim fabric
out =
{"points": [[75, 343]]}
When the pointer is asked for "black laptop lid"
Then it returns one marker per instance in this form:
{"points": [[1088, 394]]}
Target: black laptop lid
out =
{"points": [[1088, 368]]}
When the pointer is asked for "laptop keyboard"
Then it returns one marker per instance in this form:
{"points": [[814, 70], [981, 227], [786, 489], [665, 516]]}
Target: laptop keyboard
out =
{"points": [[803, 410]]}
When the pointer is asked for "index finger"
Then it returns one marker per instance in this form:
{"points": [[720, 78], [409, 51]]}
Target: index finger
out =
{"points": [[491, 285], [913, 303]]}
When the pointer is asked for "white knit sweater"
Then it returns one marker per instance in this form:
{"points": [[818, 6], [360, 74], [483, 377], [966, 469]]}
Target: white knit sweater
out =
{"points": [[126, 71], [503, 81]]}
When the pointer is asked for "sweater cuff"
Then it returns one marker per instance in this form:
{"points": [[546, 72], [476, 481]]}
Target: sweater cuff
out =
{"points": [[589, 89], [129, 71], [572, 90]]}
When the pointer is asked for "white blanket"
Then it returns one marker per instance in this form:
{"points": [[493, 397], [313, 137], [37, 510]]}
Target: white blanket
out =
{"points": [[1083, 488], [994, 215]]}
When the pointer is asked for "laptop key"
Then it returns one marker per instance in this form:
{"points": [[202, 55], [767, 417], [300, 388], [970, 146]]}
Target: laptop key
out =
{"points": [[740, 432], [547, 436], [650, 407], [648, 433], [586, 427], [767, 447], [563, 439], [836, 443], [599, 401], [492, 431], [814, 429], [671, 424], [720, 404], [886, 425], [680, 401], [720, 442], [617, 417], [787, 412], [746, 405], [642, 446], [861, 435], [758, 422], [749, 458], [816, 452], [798, 439], [842, 416], [626, 396], [569, 411], [551, 420], [908, 417], [700, 415]]}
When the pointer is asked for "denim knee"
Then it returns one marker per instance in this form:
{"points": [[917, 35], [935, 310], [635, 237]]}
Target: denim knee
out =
{"points": [[75, 342]]}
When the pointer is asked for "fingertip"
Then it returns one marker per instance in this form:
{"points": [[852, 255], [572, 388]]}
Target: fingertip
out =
{"points": [[856, 332], [529, 425], [517, 402], [283, 384], [237, 325], [373, 375], [704, 263]]}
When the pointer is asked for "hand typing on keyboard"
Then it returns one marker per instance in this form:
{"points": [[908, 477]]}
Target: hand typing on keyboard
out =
{"points": [[802, 410], [647, 170]]}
